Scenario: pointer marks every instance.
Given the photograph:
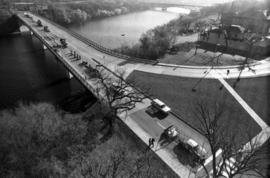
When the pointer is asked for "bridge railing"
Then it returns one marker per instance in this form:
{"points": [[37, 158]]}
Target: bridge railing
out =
{"points": [[98, 46]]}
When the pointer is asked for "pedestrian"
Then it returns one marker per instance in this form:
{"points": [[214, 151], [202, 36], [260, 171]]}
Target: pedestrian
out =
{"points": [[152, 142], [149, 142], [228, 71]]}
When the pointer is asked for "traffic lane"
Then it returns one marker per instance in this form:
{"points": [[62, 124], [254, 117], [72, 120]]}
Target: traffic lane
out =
{"points": [[147, 123], [188, 132], [155, 126], [79, 45], [160, 123]]}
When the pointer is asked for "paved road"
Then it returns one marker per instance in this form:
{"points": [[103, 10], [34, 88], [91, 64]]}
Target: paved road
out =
{"points": [[137, 119]]}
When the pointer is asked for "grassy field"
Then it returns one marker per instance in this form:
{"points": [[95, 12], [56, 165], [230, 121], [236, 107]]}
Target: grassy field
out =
{"points": [[255, 91], [177, 93]]}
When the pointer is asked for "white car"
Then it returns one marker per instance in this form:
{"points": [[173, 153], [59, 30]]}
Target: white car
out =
{"points": [[160, 105], [200, 151]]}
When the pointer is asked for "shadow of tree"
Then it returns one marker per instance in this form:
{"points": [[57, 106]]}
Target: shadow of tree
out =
{"points": [[183, 155]]}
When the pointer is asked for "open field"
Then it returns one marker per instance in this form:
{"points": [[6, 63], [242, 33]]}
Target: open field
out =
{"points": [[177, 93], [255, 91]]}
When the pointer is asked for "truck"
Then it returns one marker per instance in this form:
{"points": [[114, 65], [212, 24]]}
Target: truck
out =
{"points": [[197, 152]]}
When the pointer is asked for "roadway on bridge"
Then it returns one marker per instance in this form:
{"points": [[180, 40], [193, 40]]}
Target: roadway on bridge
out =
{"points": [[144, 125]]}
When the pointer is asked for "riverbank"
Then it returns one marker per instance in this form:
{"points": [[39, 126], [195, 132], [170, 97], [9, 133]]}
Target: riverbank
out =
{"points": [[79, 13], [161, 40]]}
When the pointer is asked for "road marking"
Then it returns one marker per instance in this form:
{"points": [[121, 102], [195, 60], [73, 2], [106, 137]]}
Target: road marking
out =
{"points": [[249, 110], [161, 125]]}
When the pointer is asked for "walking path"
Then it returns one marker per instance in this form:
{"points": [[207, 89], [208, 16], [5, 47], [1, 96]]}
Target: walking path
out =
{"points": [[249, 110]]}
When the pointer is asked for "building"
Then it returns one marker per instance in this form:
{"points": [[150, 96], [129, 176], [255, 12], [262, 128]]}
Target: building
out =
{"points": [[252, 20], [244, 34]]}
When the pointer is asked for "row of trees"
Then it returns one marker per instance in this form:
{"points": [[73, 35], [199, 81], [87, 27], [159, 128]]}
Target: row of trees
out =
{"points": [[76, 13], [152, 45], [38, 140]]}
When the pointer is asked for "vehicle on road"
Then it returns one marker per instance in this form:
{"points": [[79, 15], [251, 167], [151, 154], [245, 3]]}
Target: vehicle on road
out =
{"points": [[26, 14], [156, 103], [197, 152], [171, 132], [63, 42], [39, 23], [46, 29]]}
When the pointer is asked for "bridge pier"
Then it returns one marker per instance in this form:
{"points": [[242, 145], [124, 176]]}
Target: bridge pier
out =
{"points": [[44, 47], [70, 76]]}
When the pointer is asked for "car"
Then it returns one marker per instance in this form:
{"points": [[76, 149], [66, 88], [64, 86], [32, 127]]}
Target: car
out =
{"points": [[26, 14], [160, 105], [63, 42], [171, 131], [46, 29], [39, 23], [198, 152]]}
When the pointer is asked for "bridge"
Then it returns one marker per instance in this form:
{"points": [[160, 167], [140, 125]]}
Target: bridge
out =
{"points": [[95, 55]]}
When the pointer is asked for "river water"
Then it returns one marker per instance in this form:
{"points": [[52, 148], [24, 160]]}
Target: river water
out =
{"points": [[29, 73], [126, 29]]}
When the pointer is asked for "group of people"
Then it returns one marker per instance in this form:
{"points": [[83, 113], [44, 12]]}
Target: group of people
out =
{"points": [[76, 55]]}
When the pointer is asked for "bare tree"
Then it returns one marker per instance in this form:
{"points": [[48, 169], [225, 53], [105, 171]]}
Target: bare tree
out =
{"points": [[251, 40], [118, 94], [234, 159], [120, 163]]}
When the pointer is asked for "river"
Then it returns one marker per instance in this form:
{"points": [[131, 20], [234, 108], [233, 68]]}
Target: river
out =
{"points": [[126, 29], [29, 73]]}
